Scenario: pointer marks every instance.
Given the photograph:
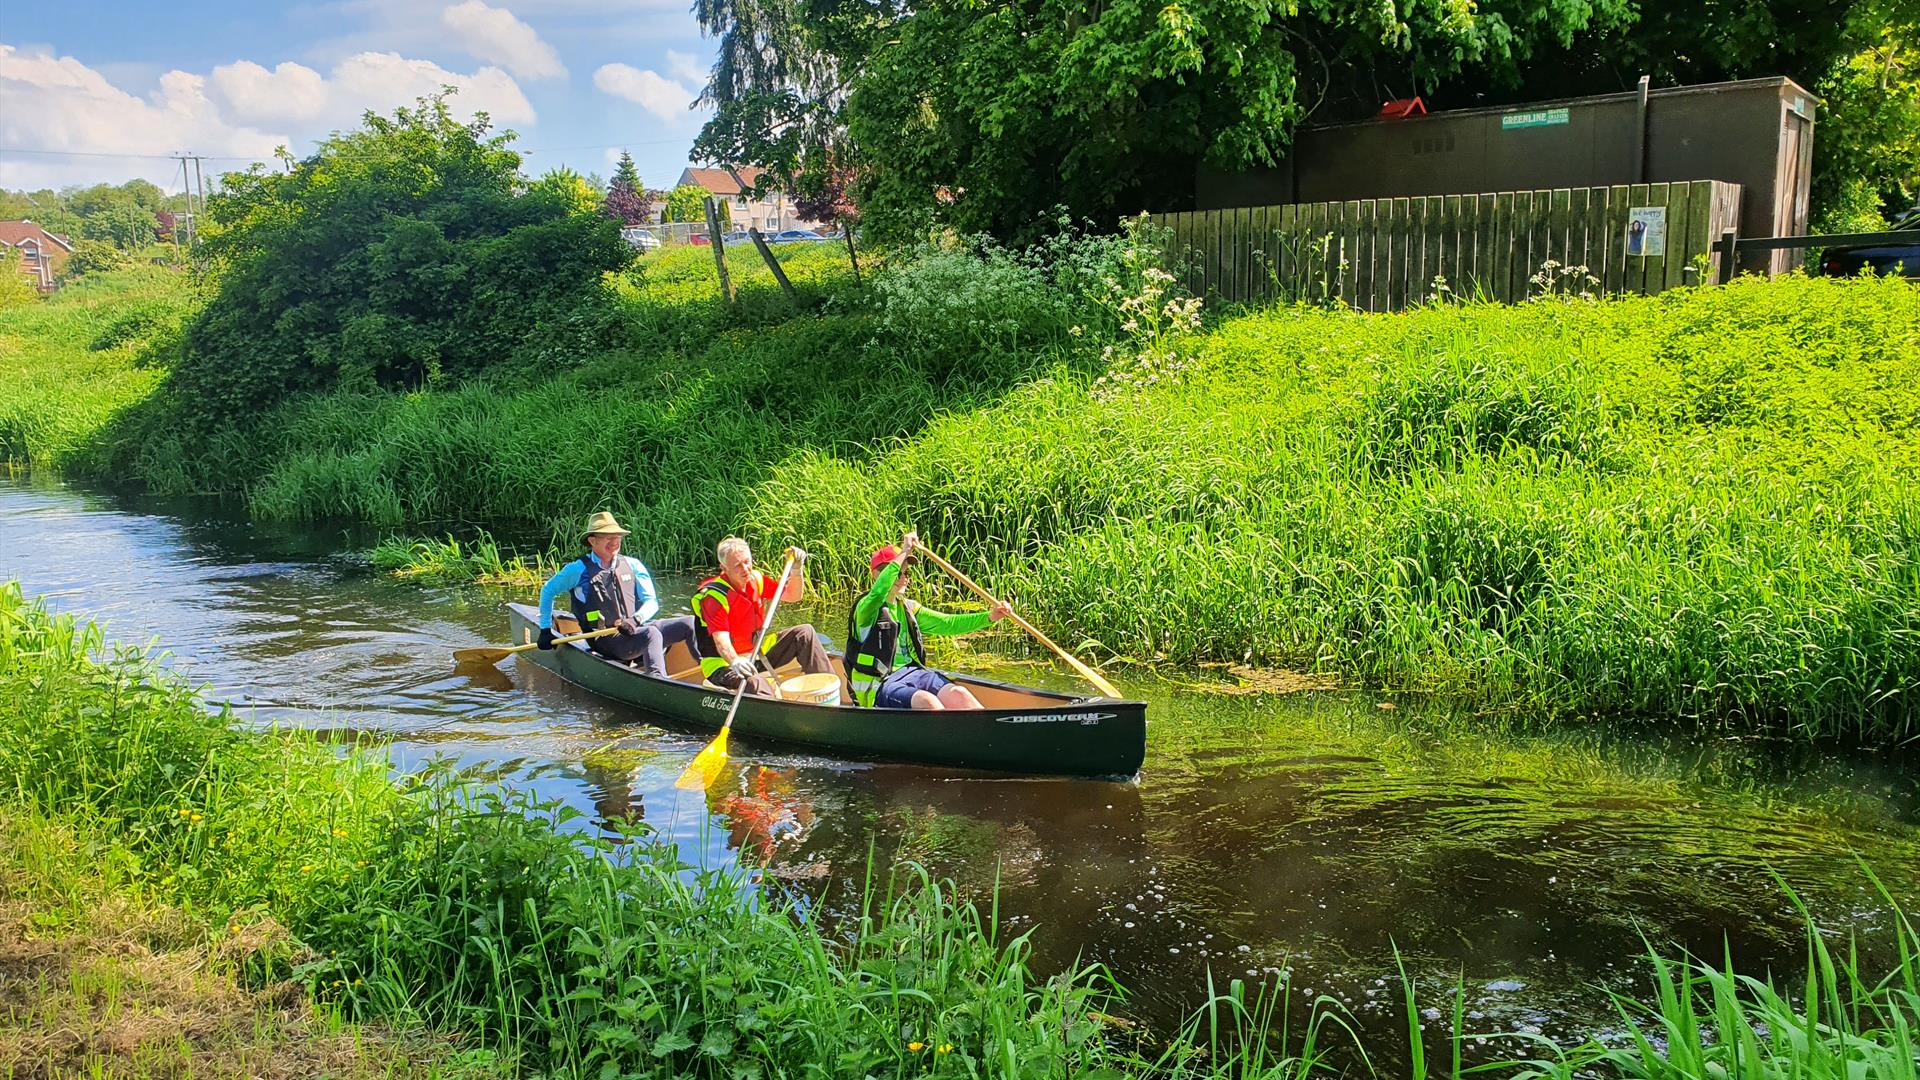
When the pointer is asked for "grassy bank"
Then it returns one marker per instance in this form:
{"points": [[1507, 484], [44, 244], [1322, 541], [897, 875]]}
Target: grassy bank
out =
{"points": [[1695, 505], [422, 904], [101, 980], [70, 365]]}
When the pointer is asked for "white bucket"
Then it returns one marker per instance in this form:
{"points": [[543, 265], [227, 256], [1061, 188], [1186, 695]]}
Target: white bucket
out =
{"points": [[821, 689]]}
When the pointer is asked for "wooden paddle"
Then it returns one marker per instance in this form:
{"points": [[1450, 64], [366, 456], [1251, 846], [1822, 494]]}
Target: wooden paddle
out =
{"points": [[1086, 672], [493, 654], [705, 767]]}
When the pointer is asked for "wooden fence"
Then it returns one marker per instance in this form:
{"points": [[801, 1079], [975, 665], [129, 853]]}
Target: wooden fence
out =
{"points": [[1388, 254]]}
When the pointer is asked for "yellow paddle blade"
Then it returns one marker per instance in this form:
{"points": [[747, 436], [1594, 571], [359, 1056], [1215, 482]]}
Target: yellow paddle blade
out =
{"points": [[705, 767], [484, 655]]}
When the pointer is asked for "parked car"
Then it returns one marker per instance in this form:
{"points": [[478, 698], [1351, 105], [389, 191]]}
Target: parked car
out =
{"points": [[1901, 258], [790, 236], [641, 239]]}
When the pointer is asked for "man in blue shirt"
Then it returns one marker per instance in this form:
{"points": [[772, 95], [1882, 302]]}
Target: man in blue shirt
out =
{"points": [[611, 589]]}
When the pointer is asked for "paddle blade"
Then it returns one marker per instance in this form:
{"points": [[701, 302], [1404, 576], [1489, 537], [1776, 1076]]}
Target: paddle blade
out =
{"points": [[490, 654], [705, 767]]}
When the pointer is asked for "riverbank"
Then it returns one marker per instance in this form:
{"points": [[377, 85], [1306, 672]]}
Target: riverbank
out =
{"points": [[103, 980], [492, 915], [1698, 505]]}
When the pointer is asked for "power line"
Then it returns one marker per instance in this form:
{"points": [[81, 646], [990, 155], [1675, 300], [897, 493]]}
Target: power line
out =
{"points": [[103, 154], [263, 157]]}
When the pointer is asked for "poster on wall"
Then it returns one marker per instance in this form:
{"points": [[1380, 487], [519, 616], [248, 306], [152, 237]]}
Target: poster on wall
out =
{"points": [[1647, 231]]}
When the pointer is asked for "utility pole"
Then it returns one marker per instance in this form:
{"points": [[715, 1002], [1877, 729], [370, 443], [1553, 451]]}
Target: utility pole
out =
{"points": [[193, 185]]}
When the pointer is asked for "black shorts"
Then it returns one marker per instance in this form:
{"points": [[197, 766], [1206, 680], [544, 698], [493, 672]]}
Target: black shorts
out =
{"points": [[896, 691]]}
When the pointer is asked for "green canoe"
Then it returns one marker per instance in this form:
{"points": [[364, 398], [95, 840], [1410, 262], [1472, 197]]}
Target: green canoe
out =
{"points": [[1021, 730]]}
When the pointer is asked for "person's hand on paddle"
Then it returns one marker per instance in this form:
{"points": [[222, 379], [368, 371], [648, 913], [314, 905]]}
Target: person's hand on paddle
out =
{"points": [[546, 639], [743, 667], [908, 541], [626, 625], [797, 554], [998, 611]]}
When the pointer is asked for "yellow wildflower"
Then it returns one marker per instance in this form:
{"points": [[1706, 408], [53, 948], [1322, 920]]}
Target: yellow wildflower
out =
{"points": [[946, 1048], [342, 833], [916, 1047], [307, 869], [184, 811], [198, 817]]}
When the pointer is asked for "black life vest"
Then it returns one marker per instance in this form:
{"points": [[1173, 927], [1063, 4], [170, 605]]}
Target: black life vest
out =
{"points": [[869, 659], [606, 594]]}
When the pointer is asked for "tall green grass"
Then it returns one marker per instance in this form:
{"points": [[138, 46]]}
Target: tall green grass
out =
{"points": [[72, 362], [1699, 505], [430, 900]]}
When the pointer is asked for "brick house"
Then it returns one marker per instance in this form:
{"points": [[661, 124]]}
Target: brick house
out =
{"points": [[770, 213], [42, 254]]}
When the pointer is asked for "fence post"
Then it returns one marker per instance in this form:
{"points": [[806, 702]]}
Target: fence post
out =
{"points": [[719, 252], [1726, 247], [773, 264]]}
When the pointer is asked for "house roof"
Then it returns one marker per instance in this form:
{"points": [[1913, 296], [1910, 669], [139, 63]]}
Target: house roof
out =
{"points": [[13, 233], [718, 181]]}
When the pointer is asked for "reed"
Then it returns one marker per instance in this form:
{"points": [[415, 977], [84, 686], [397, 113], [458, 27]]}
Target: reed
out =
{"points": [[449, 560]]}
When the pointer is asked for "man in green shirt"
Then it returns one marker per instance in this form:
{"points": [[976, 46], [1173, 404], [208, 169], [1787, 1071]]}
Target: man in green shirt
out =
{"points": [[887, 668]]}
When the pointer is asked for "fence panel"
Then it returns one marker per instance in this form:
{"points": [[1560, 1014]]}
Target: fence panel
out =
{"points": [[1383, 254]]}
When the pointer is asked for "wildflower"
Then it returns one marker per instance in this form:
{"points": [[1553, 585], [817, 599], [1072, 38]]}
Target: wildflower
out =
{"points": [[184, 811], [340, 833], [306, 868], [360, 862], [198, 817], [946, 1048], [916, 1046]]}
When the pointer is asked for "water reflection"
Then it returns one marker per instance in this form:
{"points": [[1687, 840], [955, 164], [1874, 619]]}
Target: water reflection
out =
{"points": [[1266, 838]]}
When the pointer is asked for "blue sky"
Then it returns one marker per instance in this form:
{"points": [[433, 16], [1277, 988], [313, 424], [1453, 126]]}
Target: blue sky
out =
{"points": [[104, 91]]}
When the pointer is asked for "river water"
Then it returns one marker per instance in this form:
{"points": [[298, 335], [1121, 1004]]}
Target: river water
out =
{"points": [[1303, 836]]}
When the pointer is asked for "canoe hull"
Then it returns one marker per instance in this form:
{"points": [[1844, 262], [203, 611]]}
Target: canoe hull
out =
{"points": [[1051, 734]]}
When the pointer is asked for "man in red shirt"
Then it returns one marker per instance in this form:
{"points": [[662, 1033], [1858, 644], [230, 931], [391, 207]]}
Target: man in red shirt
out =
{"points": [[728, 609]]}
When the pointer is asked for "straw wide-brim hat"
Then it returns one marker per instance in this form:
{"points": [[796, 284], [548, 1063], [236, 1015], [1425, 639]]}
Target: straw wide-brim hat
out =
{"points": [[602, 522]]}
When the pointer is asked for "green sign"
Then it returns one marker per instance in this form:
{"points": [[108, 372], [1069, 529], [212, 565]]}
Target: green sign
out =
{"points": [[1534, 118]]}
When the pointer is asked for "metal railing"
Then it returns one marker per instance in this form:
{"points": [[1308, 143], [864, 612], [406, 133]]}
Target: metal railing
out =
{"points": [[1730, 245]]}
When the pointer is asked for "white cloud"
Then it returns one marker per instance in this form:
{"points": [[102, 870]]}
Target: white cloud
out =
{"points": [[685, 67], [496, 36], [376, 80], [237, 113], [298, 95], [653, 92], [290, 92], [57, 103]]}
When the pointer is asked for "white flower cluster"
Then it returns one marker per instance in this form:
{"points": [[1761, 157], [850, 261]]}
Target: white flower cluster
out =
{"points": [[1157, 326], [1557, 282]]}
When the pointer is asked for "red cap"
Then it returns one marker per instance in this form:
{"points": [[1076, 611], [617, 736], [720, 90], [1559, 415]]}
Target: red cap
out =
{"points": [[882, 557]]}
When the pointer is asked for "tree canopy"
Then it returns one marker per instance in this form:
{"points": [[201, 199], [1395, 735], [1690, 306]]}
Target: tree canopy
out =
{"points": [[405, 252], [985, 116]]}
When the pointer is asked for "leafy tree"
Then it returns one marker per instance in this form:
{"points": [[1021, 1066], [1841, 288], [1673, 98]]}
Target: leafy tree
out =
{"points": [[688, 202], [127, 226], [627, 201], [1867, 138], [94, 257], [1106, 108], [407, 251], [15, 287], [570, 188]]}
